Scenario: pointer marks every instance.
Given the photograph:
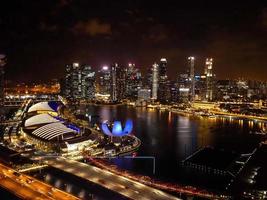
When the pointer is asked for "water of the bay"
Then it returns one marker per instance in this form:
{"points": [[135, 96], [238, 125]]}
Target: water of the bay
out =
{"points": [[170, 137]]}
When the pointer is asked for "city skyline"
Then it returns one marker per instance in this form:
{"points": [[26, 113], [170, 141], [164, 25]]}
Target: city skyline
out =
{"points": [[133, 99], [139, 32]]}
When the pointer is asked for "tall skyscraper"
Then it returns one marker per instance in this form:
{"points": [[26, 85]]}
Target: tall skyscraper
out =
{"points": [[144, 94], [174, 91], [2, 64], [162, 74], [87, 82], [71, 90], [191, 64], [118, 82], [79, 82], [121, 82], [113, 90], [105, 80], [133, 81], [209, 79], [184, 87], [155, 82]]}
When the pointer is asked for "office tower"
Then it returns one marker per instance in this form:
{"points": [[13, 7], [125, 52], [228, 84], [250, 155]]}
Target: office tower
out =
{"points": [[155, 84], [147, 82], [72, 79], [133, 81], [174, 91], [113, 82], [130, 80], [87, 83], [79, 82], [184, 88], [144, 94], [104, 80], [162, 80], [200, 87], [191, 64], [209, 79], [2, 64], [118, 82], [121, 82]]}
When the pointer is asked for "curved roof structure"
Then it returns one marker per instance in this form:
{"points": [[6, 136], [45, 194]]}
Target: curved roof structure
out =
{"points": [[52, 131], [44, 106], [40, 119], [117, 129]]}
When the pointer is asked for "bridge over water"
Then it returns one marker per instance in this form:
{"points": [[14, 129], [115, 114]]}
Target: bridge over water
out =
{"points": [[109, 180]]}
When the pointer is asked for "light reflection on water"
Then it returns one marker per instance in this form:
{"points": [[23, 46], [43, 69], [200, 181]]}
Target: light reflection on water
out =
{"points": [[171, 137]]}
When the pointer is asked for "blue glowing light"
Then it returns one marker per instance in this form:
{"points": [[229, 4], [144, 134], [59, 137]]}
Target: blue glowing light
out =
{"points": [[105, 129], [59, 118], [128, 127], [117, 128], [54, 105], [75, 128]]}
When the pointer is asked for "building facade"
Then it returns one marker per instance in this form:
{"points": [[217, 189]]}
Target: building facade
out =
{"points": [[144, 94], [209, 79], [155, 81], [133, 81], [104, 80], [191, 65], [2, 64], [184, 88], [79, 82], [88, 82], [162, 80], [118, 82]]}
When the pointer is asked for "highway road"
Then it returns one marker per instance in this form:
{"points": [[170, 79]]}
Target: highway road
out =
{"points": [[27, 187], [109, 180]]}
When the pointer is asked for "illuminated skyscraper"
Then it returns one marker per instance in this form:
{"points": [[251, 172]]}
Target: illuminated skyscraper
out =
{"points": [[184, 87], [71, 86], [144, 94], [79, 82], [121, 82], [191, 64], [2, 64], [105, 80], [174, 91], [113, 82], [118, 82], [209, 79], [133, 81], [162, 82], [155, 83], [87, 82]]}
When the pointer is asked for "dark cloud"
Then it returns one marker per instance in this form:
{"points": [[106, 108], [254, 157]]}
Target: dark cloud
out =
{"points": [[264, 18], [46, 27], [157, 33], [63, 3], [104, 31], [92, 27]]}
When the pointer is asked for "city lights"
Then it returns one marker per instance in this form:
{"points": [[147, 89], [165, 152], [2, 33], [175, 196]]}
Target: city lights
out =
{"points": [[133, 100]]}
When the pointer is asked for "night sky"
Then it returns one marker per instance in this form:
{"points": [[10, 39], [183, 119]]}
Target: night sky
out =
{"points": [[41, 37]]}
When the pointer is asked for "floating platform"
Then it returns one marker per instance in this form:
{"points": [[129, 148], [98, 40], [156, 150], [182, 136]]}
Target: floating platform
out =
{"points": [[211, 160]]}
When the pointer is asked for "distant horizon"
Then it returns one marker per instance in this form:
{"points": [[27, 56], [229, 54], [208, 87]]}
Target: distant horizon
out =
{"points": [[142, 69]]}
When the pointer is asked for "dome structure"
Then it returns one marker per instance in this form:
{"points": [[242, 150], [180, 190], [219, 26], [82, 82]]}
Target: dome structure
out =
{"points": [[40, 119], [51, 106], [117, 129]]}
